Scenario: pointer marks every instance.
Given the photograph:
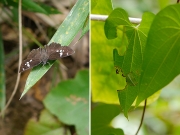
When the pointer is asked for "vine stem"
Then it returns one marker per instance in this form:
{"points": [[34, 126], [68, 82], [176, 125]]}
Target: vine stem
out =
{"points": [[142, 118], [96, 17]]}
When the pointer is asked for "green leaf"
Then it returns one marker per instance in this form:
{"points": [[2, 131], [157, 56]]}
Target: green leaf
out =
{"points": [[2, 76], [163, 3], [32, 6], [47, 119], [73, 23], [47, 125], [93, 4], [162, 54], [36, 74], [85, 28], [101, 7], [49, 9], [117, 17], [64, 35], [101, 118], [28, 5], [130, 64], [69, 101], [104, 80]]}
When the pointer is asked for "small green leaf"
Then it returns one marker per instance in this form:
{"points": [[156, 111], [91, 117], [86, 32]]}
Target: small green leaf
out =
{"points": [[117, 17], [101, 118], [32, 6], [47, 125], [49, 9], [69, 101], [28, 5], [47, 119], [162, 54]]}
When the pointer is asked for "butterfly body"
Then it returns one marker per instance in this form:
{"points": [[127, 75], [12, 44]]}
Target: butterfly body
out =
{"points": [[41, 55], [44, 55]]}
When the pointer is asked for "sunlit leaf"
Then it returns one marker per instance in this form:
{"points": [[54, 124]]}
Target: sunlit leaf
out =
{"points": [[162, 54]]}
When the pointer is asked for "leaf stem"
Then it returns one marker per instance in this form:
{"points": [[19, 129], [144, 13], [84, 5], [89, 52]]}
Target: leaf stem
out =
{"points": [[142, 118]]}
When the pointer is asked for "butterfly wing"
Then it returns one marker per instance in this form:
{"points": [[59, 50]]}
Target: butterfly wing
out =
{"points": [[56, 51], [32, 60], [29, 63], [52, 52]]}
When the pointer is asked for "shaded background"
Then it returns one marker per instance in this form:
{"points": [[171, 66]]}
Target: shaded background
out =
{"points": [[36, 27]]}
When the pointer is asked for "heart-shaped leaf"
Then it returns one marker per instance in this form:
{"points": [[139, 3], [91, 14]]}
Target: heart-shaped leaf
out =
{"points": [[162, 53], [69, 101]]}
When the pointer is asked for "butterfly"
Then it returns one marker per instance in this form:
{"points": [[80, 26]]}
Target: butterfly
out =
{"points": [[41, 55]]}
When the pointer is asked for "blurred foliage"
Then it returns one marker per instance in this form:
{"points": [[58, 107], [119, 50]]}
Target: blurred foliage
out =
{"points": [[135, 8], [69, 102], [157, 121], [77, 101], [2, 75], [47, 124], [31, 6]]}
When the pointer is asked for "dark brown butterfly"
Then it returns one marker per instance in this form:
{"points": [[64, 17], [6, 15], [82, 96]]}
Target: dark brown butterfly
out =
{"points": [[41, 55]]}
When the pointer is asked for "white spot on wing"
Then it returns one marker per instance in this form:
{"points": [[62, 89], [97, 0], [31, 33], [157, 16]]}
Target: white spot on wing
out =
{"points": [[61, 54], [57, 50], [27, 63], [67, 53], [23, 68], [30, 60]]}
